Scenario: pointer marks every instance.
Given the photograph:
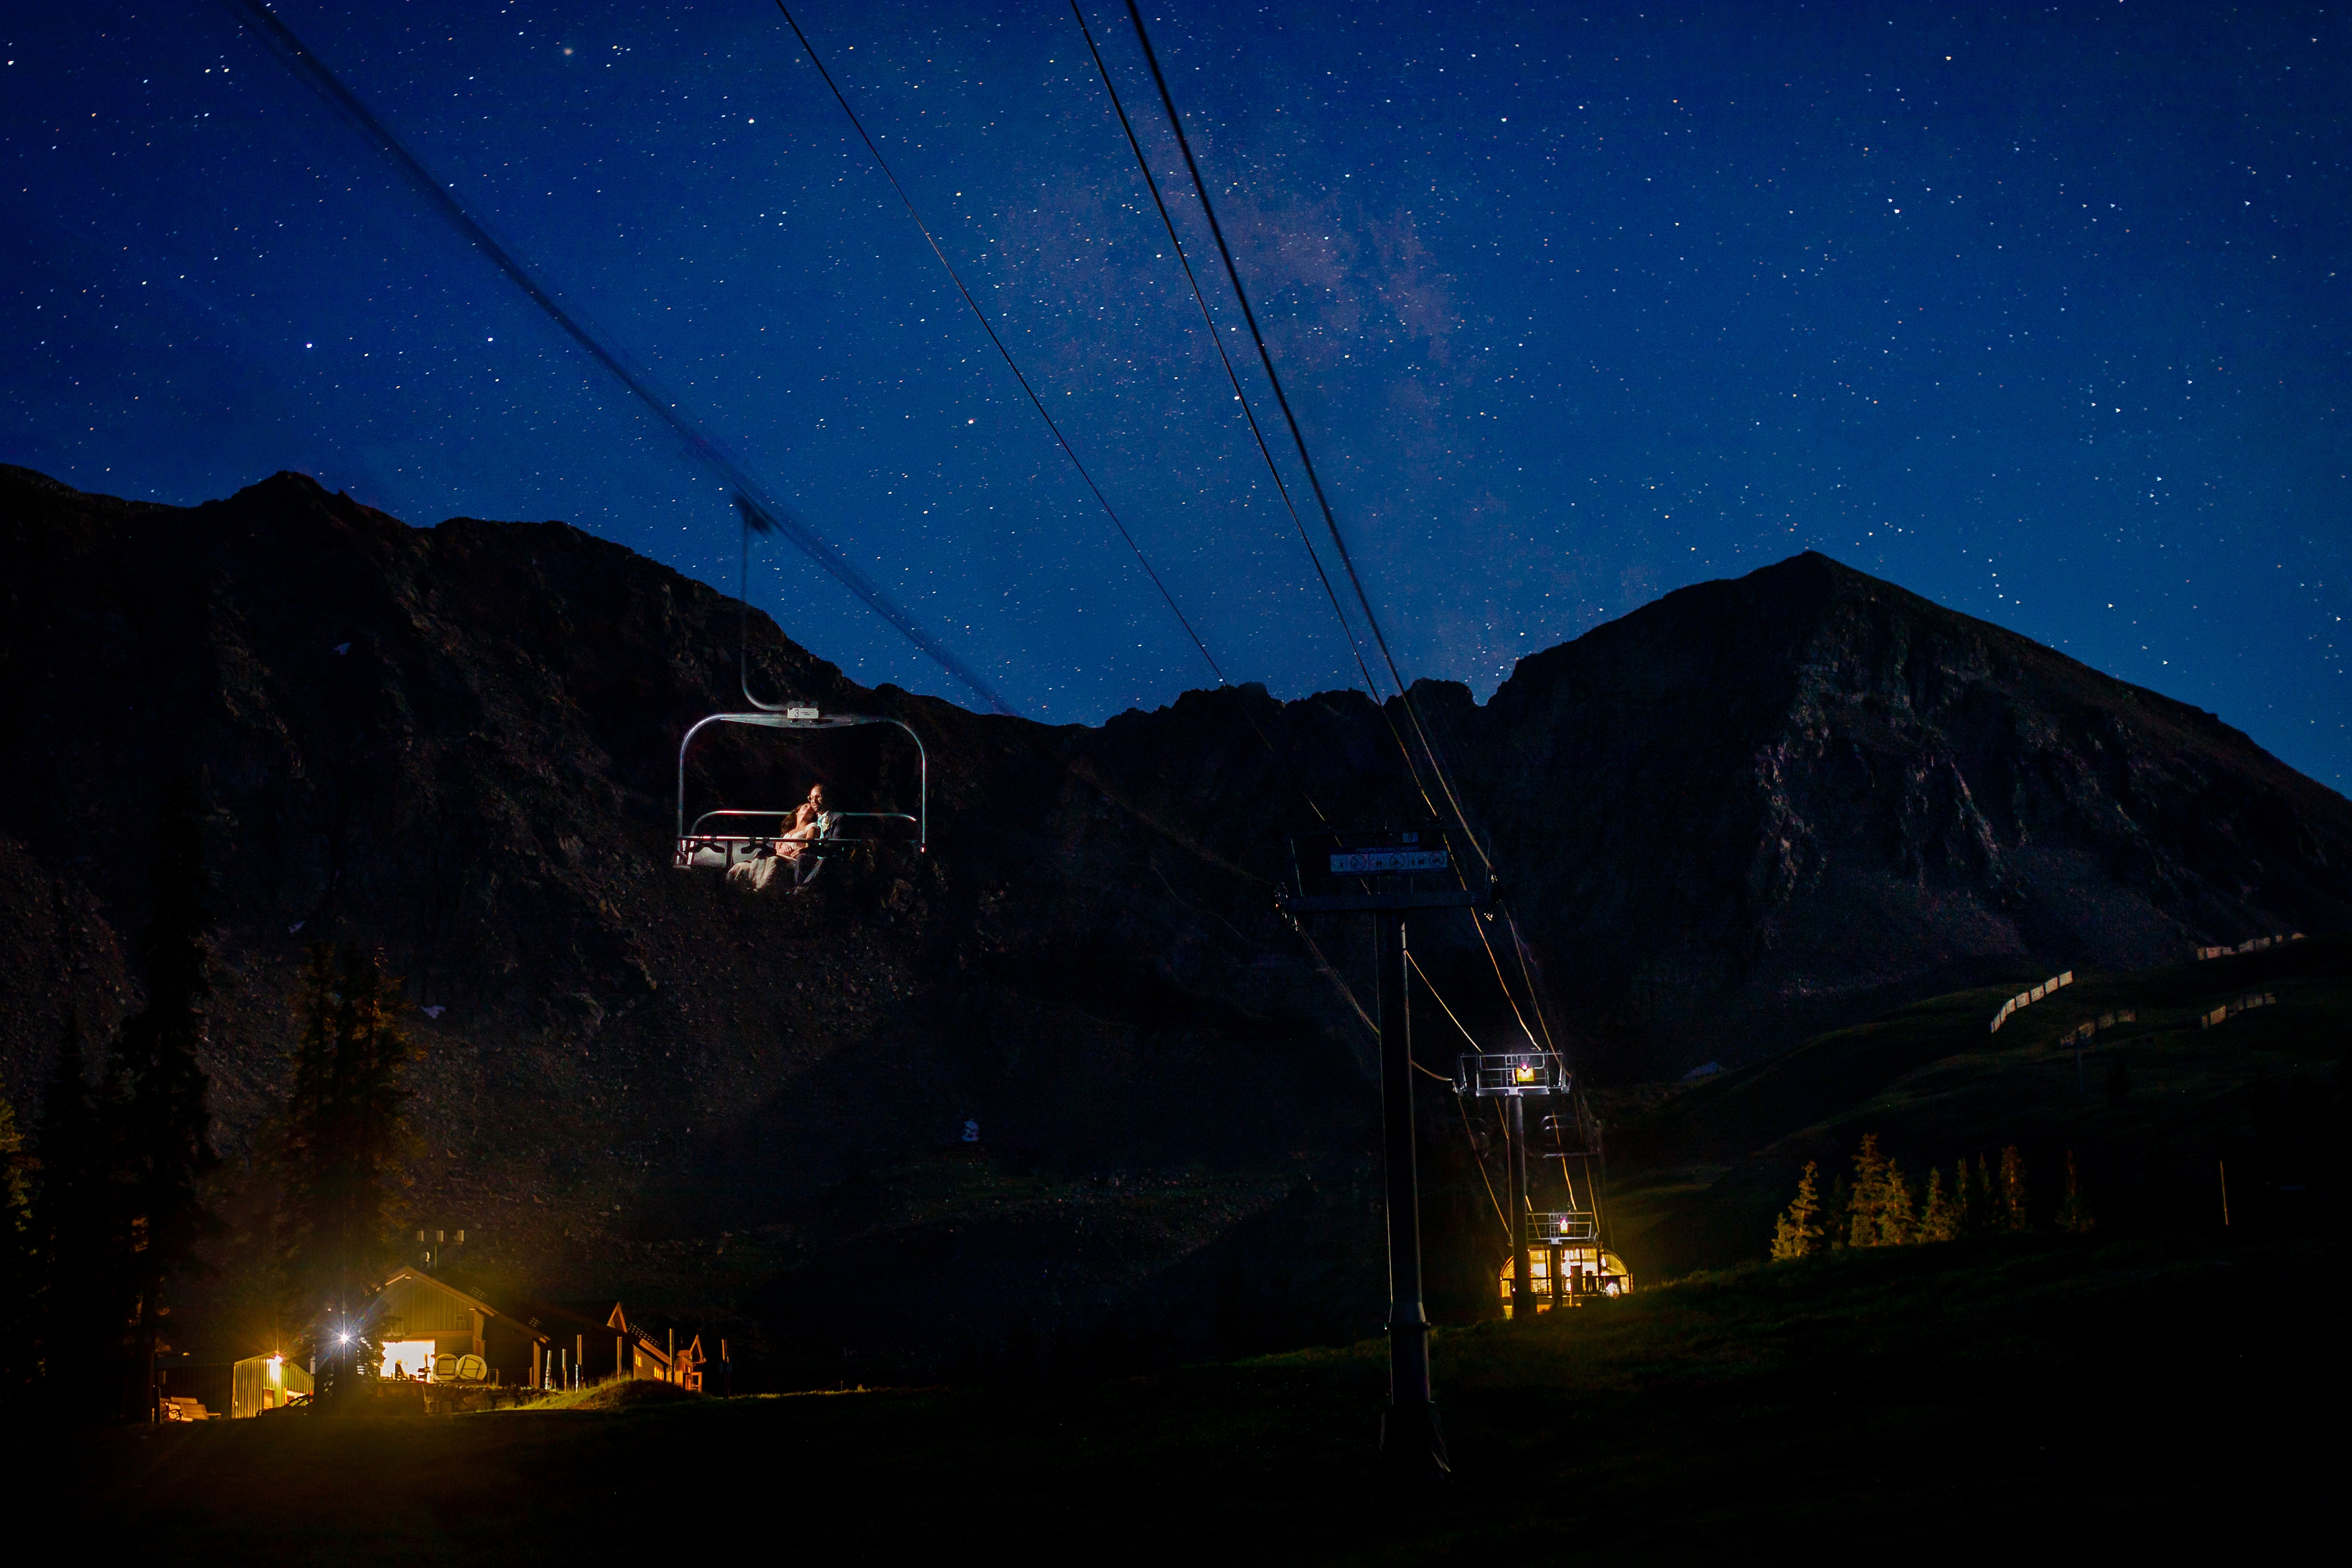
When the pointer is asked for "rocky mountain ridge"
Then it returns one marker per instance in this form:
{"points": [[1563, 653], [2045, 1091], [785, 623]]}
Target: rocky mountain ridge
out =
{"points": [[1748, 811]]}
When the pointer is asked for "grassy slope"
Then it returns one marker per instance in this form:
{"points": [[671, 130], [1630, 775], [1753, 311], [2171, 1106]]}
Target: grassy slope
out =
{"points": [[1700, 1177], [2126, 1392]]}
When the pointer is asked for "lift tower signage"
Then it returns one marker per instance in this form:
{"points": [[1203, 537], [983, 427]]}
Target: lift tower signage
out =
{"points": [[1361, 862], [1335, 870], [1387, 875]]}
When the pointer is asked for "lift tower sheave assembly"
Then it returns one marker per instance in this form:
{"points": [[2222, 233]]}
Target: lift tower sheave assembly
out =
{"points": [[1515, 1077], [1388, 874]]}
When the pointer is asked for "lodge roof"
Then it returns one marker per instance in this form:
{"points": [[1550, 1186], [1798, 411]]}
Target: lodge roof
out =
{"points": [[600, 1316], [426, 1281]]}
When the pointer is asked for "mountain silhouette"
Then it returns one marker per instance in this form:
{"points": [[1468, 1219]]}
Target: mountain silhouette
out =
{"points": [[1749, 811]]}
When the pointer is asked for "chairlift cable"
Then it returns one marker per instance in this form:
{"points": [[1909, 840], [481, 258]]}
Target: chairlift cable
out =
{"points": [[1469, 1138], [1216, 340], [1483, 1180], [1200, 299], [1298, 436], [1007, 354], [1151, 184], [1249, 414], [1035, 400], [280, 40], [1439, 999], [1274, 379], [1436, 760], [1480, 928], [1526, 974], [1336, 979]]}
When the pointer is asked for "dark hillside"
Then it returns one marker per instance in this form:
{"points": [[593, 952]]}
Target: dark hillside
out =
{"points": [[2153, 1107], [1925, 1403], [1748, 811], [461, 741]]}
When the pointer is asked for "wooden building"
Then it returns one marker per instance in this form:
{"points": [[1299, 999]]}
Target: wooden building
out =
{"points": [[594, 1341], [429, 1329]]}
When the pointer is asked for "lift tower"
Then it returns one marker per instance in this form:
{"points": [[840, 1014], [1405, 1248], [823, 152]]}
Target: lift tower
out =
{"points": [[1515, 1077], [1388, 874]]}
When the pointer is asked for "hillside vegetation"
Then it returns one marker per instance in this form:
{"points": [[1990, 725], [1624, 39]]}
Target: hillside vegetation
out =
{"points": [[2159, 1111], [2106, 1396]]}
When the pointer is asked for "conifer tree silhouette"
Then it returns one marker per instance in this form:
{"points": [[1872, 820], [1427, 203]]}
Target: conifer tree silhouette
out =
{"points": [[2073, 1209], [16, 1256], [1795, 1234], [342, 1147], [2013, 1211], [164, 1127], [1880, 1214], [1980, 1204], [1940, 1214], [83, 1312], [1897, 1212]]}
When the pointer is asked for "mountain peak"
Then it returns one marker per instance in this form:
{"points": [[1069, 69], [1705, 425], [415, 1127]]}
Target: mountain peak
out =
{"points": [[1754, 808]]}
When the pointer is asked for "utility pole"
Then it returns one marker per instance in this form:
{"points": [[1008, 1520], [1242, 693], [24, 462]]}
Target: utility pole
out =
{"points": [[1522, 1289], [1410, 1441], [1387, 875]]}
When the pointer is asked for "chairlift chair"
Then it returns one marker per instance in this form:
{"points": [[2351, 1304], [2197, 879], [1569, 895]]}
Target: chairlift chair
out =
{"points": [[727, 836], [709, 847]]}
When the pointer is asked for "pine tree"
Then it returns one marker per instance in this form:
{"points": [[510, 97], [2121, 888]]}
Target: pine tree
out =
{"points": [[1939, 1216], [343, 1151], [1881, 1212], [17, 1257], [1863, 1209], [2011, 1215], [165, 1138], [2073, 1209], [1795, 1235], [1898, 1223], [83, 1312], [1837, 1214], [1979, 1207]]}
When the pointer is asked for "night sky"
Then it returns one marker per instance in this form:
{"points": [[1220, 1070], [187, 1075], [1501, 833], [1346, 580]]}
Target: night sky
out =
{"points": [[2040, 313]]}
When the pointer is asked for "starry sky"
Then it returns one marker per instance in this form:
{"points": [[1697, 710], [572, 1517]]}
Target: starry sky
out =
{"points": [[2038, 311]]}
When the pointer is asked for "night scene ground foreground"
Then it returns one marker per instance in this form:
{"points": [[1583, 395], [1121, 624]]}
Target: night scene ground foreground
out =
{"points": [[2010, 1394]]}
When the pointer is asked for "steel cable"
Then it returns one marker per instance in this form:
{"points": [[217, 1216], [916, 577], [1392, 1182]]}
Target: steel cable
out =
{"points": [[1007, 354], [1298, 436], [277, 36]]}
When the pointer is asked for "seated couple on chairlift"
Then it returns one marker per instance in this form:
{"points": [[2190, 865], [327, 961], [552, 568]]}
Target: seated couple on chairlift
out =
{"points": [[810, 819]]}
